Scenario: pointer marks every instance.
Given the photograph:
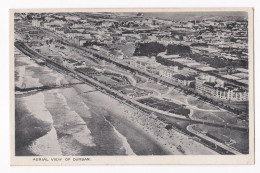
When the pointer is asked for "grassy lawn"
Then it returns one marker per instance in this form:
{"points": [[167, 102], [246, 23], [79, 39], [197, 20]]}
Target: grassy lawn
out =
{"points": [[174, 94], [243, 106], [161, 88], [235, 138], [204, 115], [127, 49], [221, 117], [195, 102], [165, 106]]}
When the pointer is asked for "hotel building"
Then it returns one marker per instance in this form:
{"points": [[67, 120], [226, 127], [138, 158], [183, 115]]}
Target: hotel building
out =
{"points": [[216, 88]]}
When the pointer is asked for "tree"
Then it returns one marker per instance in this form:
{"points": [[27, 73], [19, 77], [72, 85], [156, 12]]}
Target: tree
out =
{"points": [[233, 39], [29, 16], [173, 49], [139, 14], [149, 49]]}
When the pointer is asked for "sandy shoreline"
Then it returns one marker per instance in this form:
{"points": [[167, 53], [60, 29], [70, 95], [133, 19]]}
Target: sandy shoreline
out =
{"points": [[75, 114], [169, 139]]}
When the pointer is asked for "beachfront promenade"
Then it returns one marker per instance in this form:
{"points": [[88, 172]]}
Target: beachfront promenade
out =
{"points": [[126, 100], [164, 81], [229, 148], [28, 51]]}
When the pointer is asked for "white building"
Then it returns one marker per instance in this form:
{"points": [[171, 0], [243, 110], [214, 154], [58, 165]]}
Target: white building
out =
{"points": [[144, 63], [168, 72], [215, 88], [79, 40], [117, 55], [36, 23]]}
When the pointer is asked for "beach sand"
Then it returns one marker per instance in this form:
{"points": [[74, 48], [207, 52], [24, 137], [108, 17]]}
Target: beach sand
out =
{"points": [[72, 121], [154, 128]]}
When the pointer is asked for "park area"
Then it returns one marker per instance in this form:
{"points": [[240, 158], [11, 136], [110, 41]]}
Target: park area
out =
{"points": [[165, 106], [234, 138], [132, 91]]}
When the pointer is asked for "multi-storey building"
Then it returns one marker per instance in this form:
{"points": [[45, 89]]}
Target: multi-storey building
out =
{"points": [[182, 79], [79, 40], [145, 64], [36, 23], [215, 88], [168, 73]]}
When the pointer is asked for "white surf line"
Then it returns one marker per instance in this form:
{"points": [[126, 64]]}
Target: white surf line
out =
{"points": [[126, 145], [85, 105], [35, 104], [83, 135], [47, 145]]}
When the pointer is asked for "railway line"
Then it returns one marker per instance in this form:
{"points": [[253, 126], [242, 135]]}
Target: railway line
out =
{"points": [[108, 90], [123, 98]]}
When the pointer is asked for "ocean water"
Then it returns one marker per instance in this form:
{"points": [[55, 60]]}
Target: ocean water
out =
{"points": [[80, 127], [105, 107], [68, 121]]}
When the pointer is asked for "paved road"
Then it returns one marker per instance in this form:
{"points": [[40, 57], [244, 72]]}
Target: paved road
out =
{"points": [[28, 51], [228, 148]]}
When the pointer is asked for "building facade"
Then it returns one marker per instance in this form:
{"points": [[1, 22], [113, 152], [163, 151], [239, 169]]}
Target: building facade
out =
{"points": [[215, 88], [36, 23]]}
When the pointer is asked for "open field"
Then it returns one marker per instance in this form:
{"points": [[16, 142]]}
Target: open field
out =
{"points": [[199, 104], [161, 88], [239, 105], [127, 49], [230, 137], [221, 117], [177, 95]]}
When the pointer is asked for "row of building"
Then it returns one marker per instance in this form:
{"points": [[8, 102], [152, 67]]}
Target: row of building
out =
{"points": [[217, 89]]}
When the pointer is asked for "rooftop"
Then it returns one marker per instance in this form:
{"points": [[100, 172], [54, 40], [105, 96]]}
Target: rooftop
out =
{"points": [[182, 77], [206, 69]]}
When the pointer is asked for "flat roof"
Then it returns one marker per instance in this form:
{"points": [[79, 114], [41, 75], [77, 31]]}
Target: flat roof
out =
{"points": [[244, 81], [241, 75], [207, 69], [183, 60], [242, 70], [191, 64], [231, 77], [182, 77]]}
